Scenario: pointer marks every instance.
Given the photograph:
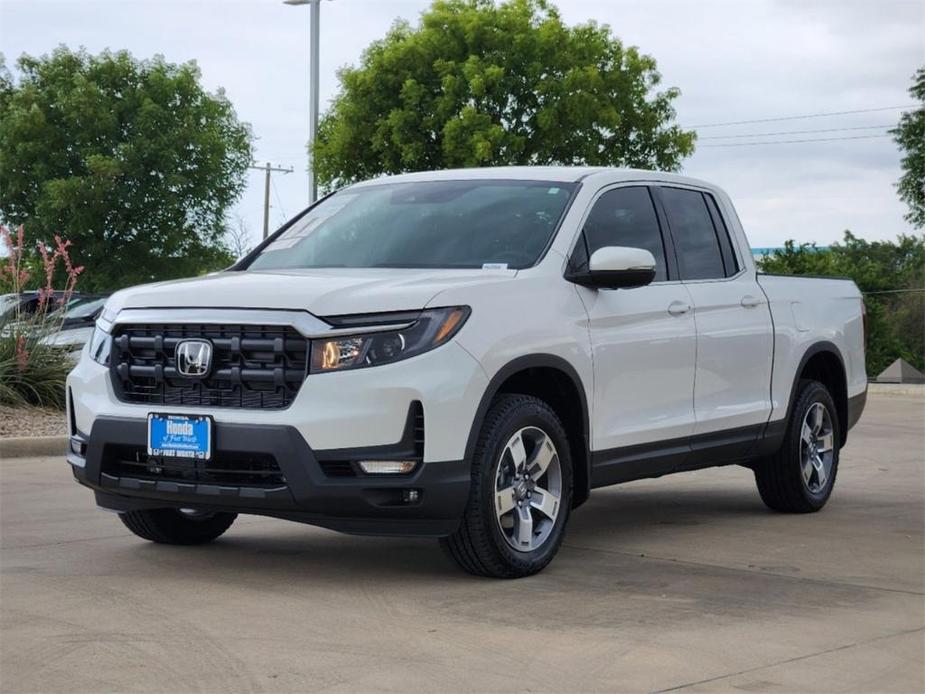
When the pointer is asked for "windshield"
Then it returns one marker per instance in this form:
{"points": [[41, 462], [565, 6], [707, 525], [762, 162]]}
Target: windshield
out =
{"points": [[428, 224], [8, 302], [83, 308]]}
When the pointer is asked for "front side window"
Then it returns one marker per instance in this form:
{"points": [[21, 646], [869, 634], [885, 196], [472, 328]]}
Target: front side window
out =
{"points": [[695, 238], [427, 224], [625, 217]]}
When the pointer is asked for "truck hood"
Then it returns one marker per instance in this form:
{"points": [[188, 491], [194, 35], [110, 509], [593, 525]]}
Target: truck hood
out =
{"points": [[322, 292]]}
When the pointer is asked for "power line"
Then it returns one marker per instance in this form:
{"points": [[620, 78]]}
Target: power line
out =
{"points": [[808, 115], [791, 142], [279, 204], [796, 132]]}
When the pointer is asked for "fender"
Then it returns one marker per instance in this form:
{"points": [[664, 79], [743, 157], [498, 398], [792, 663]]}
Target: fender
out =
{"points": [[530, 361], [774, 432]]}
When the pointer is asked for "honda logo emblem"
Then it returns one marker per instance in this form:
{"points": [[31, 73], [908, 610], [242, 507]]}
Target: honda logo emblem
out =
{"points": [[194, 358]]}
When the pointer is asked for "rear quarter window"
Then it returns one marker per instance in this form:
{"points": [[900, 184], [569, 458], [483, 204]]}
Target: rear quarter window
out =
{"points": [[730, 262]]}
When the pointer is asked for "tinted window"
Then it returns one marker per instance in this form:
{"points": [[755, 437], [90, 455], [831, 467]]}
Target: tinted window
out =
{"points": [[626, 217], [725, 245], [441, 224], [694, 236]]}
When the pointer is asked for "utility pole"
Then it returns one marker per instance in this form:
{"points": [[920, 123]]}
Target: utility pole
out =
{"points": [[268, 168]]}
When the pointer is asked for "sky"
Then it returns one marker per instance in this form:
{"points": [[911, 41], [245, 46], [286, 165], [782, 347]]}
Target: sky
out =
{"points": [[733, 60]]}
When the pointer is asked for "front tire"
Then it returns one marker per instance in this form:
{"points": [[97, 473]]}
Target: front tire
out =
{"points": [[175, 527], [521, 492], [799, 478]]}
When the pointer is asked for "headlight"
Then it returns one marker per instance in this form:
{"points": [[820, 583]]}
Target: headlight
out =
{"points": [[100, 346], [433, 328]]}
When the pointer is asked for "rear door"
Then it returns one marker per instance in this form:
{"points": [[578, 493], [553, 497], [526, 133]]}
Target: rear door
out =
{"points": [[735, 338], [643, 343]]}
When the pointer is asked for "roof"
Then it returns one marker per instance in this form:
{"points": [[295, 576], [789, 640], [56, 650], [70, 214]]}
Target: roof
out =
{"points": [[559, 174]]}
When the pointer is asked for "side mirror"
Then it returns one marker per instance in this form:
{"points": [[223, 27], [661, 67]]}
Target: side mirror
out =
{"points": [[616, 267]]}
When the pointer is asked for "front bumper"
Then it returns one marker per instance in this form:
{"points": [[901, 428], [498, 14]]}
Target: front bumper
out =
{"points": [[351, 409], [377, 505]]}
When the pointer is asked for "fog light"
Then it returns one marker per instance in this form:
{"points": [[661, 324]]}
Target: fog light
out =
{"points": [[387, 467], [78, 446], [410, 496]]}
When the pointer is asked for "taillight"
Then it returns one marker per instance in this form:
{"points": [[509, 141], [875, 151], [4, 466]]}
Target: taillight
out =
{"points": [[864, 321]]}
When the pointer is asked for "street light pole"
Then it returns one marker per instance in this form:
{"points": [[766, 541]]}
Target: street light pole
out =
{"points": [[313, 48], [313, 100]]}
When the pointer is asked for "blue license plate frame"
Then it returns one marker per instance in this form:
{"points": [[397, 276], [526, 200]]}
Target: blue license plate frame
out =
{"points": [[180, 436]]}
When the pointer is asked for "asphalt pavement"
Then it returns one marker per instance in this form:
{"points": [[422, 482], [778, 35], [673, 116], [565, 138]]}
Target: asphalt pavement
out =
{"points": [[687, 582]]}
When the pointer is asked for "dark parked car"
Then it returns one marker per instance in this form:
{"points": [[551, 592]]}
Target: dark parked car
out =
{"points": [[28, 303]]}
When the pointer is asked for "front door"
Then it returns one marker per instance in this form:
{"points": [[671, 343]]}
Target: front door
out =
{"points": [[644, 346]]}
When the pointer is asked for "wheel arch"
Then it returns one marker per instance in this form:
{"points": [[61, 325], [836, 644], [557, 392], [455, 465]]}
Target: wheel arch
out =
{"points": [[556, 382], [823, 362]]}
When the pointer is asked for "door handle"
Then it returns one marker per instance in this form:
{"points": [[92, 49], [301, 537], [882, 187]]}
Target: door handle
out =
{"points": [[678, 308], [749, 301]]}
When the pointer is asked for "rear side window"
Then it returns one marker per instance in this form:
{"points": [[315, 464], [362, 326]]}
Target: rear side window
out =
{"points": [[695, 238], [624, 217]]}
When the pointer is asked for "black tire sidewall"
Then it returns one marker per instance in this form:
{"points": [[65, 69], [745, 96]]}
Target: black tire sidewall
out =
{"points": [[172, 527]]}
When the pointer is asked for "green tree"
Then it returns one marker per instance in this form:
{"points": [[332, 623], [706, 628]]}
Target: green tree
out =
{"points": [[480, 84], [896, 319], [6, 82], [910, 136], [132, 160]]}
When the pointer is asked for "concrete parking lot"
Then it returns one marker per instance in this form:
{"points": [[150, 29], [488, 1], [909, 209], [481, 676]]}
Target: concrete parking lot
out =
{"points": [[680, 583]]}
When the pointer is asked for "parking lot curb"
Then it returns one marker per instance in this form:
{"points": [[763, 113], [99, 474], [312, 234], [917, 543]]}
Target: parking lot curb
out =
{"points": [[908, 390], [32, 446]]}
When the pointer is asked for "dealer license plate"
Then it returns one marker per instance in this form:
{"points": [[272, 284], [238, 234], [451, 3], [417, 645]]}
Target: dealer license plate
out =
{"points": [[179, 436]]}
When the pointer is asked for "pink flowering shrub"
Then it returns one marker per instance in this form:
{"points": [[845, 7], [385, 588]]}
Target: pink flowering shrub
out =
{"points": [[12, 274], [33, 372]]}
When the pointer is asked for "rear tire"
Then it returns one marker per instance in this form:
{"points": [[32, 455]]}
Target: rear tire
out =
{"points": [[173, 527], [521, 492], [799, 478]]}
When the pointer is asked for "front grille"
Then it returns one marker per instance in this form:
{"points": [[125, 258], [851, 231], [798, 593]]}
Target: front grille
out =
{"points": [[226, 468], [338, 468], [253, 366], [418, 414]]}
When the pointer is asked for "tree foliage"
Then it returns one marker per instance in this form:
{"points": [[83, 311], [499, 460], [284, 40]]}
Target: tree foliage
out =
{"points": [[480, 84], [910, 136], [131, 159], [896, 319]]}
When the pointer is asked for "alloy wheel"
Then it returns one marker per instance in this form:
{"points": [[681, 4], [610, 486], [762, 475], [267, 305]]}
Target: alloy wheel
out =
{"points": [[528, 489], [817, 448]]}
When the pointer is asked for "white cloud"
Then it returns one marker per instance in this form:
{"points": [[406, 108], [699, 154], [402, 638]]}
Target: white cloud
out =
{"points": [[732, 60]]}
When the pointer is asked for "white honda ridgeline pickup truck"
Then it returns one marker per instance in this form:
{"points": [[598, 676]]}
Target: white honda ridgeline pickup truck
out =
{"points": [[466, 355]]}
